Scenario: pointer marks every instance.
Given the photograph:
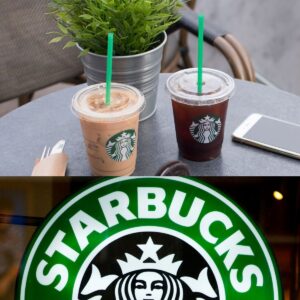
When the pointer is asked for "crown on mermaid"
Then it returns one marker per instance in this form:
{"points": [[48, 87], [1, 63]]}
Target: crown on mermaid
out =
{"points": [[149, 260]]}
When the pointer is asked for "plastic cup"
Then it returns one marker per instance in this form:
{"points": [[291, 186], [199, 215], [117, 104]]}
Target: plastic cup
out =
{"points": [[110, 131], [200, 118]]}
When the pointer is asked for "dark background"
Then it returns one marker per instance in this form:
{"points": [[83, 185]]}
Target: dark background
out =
{"points": [[26, 201]]}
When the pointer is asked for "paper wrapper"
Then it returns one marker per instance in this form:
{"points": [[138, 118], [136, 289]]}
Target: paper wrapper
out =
{"points": [[53, 165]]}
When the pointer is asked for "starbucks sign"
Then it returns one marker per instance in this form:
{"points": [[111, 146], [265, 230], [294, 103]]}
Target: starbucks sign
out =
{"points": [[148, 238]]}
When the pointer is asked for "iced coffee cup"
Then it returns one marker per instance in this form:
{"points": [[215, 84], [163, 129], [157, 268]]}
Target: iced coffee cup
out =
{"points": [[200, 118], [110, 131]]}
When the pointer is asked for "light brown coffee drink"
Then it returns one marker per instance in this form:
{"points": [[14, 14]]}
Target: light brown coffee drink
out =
{"points": [[110, 131]]}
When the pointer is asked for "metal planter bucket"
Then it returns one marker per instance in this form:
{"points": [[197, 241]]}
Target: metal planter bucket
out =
{"points": [[140, 70]]}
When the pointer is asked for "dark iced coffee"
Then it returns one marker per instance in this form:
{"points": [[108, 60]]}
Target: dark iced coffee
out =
{"points": [[200, 118]]}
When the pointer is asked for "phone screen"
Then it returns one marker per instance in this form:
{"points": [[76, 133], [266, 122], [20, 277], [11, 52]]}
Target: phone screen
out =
{"points": [[275, 133]]}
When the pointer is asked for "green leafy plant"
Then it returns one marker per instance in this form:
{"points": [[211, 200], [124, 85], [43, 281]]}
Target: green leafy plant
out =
{"points": [[137, 24]]}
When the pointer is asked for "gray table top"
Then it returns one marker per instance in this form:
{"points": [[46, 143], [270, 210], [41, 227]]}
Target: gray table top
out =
{"points": [[25, 131]]}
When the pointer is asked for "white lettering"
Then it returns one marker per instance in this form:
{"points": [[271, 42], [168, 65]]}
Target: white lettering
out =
{"points": [[54, 272], [151, 198], [208, 220], [57, 245], [191, 218], [233, 250], [244, 285], [214, 226], [82, 232], [121, 208]]}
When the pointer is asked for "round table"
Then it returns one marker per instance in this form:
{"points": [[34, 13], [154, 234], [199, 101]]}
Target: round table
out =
{"points": [[25, 132]]}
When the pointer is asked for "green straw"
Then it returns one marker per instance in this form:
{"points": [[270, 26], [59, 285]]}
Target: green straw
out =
{"points": [[200, 51], [110, 44]]}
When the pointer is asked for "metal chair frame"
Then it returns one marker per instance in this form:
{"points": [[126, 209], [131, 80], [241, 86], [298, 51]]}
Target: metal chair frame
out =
{"points": [[234, 52], [226, 43]]}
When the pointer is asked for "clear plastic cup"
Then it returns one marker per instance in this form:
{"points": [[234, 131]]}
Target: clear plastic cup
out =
{"points": [[200, 118], [110, 131]]}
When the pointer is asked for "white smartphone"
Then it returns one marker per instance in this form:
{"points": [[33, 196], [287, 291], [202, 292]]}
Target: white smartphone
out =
{"points": [[270, 134]]}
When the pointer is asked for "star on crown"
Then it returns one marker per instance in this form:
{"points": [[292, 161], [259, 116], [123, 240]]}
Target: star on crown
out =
{"points": [[149, 260], [97, 282]]}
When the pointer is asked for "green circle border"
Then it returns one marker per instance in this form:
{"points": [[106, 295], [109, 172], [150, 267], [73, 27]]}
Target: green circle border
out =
{"points": [[102, 182]]}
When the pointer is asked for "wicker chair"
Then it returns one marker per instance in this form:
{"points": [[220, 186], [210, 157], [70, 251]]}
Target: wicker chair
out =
{"points": [[226, 43], [27, 62]]}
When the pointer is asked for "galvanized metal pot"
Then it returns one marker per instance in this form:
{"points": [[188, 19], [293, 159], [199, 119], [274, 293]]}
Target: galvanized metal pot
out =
{"points": [[140, 70]]}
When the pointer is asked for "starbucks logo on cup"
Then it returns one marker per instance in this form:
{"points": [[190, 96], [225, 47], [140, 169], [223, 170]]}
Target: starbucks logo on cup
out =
{"points": [[121, 145], [206, 129], [148, 238]]}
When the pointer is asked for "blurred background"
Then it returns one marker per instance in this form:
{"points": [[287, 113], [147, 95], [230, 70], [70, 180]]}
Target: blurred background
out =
{"points": [[268, 30], [273, 203]]}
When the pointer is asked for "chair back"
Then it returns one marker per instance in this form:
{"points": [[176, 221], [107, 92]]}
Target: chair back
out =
{"points": [[27, 61], [233, 51]]}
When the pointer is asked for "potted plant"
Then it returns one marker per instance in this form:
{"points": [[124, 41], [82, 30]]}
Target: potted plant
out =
{"points": [[139, 36]]}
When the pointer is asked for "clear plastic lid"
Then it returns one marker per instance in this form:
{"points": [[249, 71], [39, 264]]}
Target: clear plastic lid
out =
{"points": [[217, 86], [125, 101]]}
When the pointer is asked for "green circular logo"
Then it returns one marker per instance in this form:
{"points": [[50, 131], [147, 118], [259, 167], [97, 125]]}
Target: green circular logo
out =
{"points": [[148, 238], [206, 129], [121, 145]]}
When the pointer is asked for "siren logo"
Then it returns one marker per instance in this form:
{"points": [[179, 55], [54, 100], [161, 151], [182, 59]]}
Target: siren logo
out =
{"points": [[121, 145], [206, 129], [148, 239], [147, 275]]}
